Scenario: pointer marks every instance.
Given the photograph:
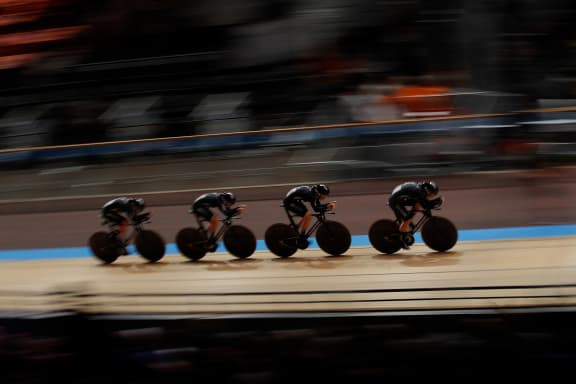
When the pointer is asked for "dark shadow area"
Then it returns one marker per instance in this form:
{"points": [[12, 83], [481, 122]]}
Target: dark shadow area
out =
{"points": [[512, 345]]}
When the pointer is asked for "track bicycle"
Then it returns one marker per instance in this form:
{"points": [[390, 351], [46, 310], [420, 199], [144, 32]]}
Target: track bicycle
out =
{"points": [[438, 233], [284, 240], [239, 241], [107, 247]]}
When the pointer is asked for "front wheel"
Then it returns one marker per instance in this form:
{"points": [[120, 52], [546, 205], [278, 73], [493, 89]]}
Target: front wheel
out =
{"points": [[439, 233], [103, 247], [333, 238], [150, 245], [384, 235], [190, 243], [239, 241], [281, 239]]}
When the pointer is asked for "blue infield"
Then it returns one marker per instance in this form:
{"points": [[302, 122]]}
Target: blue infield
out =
{"points": [[357, 241]]}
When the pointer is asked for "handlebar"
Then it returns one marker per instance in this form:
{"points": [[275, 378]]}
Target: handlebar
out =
{"points": [[229, 219], [143, 218], [233, 215], [324, 212]]}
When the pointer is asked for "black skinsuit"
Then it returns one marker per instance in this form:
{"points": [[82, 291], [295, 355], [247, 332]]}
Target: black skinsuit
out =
{"points": [[295, 198]]}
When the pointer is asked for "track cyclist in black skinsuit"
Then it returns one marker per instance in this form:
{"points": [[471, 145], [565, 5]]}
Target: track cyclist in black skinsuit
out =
{"points": [[118, 213], [409, 197], [312, 194], [205, 204]]}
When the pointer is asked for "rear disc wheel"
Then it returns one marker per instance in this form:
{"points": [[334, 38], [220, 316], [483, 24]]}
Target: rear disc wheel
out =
{"points": [[103, 247], [281, 240], [384, 235], [189, 242]]}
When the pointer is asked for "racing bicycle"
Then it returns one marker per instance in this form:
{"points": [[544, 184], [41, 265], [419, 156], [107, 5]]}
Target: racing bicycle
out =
{"points": [[438, 233], [107, 247], [284, 240], [239, 241]]}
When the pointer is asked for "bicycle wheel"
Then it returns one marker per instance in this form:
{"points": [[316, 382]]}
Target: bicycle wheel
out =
{"points": [[281, 240], [439, 233], [333, 238], [189, 242], [239, 241], [150, 245], [385, 236], [103, 248]]}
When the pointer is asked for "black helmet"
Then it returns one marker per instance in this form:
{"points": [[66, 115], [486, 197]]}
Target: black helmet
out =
{"points": [[138, 203], [430, 187], [228, 197], [322, 189]]}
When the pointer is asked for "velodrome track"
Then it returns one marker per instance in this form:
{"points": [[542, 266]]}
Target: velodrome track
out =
{"points": [[475, 275], [517, 248]]}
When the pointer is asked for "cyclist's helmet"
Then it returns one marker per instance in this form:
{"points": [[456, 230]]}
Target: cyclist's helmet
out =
{"points": [[228, 197], [431, 188], [138, 203], [322, 189]]}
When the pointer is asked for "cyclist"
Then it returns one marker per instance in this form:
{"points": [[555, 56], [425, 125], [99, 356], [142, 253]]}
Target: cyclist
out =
{"points": [[409, 197], [118, 213], [313, 194], [204, 205]]}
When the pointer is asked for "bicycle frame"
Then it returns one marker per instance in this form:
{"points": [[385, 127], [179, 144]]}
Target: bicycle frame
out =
{"points": [[136, 228], [426, 215], [320, 219], [226, 223]]}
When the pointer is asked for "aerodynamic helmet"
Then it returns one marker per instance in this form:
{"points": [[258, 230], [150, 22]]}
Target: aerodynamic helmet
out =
{"points": [[138, 203], [322, 189], [430, 187], [228, 197]]}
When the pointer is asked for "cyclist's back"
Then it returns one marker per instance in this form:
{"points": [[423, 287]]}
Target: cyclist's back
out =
{"points": [[208, 200], [302, 193], [407, 194], [119, 204]]}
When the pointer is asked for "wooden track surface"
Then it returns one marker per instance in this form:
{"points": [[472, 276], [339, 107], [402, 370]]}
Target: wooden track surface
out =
{"points": [[496, 274]]}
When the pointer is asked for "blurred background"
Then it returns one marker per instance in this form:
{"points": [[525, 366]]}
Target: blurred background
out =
{"points": [[76, 72], [137, 96], [80, 73]]}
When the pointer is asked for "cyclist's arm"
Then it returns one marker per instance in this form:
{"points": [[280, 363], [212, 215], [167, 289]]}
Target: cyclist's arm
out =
{"points": [[227, 211], [318, 206], [431, 204]]}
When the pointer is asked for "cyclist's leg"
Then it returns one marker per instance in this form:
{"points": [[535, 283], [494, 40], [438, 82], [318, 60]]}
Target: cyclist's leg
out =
{"points": [[117, 225], [407, 225], [205, 218], [405, 217], [211, 232], [213, 227], [305, 222], [122, 226], [297, 208], [399, 213], [291, 214]]}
